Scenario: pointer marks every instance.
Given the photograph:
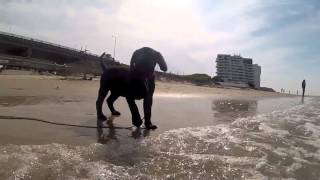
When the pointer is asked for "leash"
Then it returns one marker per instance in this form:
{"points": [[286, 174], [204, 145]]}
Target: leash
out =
{"points": [[61, 124]]}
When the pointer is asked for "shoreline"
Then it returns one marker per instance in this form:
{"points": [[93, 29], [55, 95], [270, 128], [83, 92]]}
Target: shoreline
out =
{"points": [[26, 82]]}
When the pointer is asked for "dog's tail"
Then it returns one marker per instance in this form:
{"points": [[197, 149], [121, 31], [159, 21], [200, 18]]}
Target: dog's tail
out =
{"points": [[103, 65]]}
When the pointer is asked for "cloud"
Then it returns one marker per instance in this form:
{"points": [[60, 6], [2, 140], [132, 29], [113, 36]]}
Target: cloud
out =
{"points": [[282, 36], [172, 22]]}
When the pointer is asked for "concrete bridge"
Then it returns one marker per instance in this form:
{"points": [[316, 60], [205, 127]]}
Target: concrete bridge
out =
{"points": [[31, 63], [25, 52]]}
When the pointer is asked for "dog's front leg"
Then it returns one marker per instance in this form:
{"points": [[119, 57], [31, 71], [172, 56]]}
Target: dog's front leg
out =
{"points": [[147, 105], [136, 119]]}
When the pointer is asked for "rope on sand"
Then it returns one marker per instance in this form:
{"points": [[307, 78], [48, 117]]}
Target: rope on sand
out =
{"points": [[61, 124]]}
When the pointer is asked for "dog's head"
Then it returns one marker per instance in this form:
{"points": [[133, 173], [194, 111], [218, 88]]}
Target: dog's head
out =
{"points": [[144, 60]]}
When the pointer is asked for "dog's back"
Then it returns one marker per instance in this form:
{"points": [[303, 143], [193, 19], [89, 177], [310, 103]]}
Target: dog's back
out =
{"points": [[116, 79], [119, 81]]}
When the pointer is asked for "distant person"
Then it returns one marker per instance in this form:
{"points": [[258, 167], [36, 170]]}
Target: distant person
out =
{"points": [[303, 87]]}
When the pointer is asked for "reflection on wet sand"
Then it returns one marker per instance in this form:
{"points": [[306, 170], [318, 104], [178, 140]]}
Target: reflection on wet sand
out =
{"points": [[138, 133], [110, 134], [228, 110], [105, 135]]}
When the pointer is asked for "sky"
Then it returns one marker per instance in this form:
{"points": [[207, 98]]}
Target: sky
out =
{"points": [[282, 36]]}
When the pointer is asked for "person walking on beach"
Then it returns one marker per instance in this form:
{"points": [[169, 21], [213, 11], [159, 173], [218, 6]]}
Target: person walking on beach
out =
{"points": [[303, 87]]}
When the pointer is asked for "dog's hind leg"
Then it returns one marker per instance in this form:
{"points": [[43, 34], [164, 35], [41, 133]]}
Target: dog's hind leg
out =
{"points": [[111, 99], [101, 96]]}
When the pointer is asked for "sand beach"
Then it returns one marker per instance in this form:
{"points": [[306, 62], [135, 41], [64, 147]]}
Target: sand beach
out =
{"points": [[58, 99], [203, 133]]}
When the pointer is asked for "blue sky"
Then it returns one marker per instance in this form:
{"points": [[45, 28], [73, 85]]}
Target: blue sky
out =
{"points": [[282, 36]]}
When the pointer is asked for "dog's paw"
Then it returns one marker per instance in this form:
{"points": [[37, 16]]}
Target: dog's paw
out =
{"points": [[137, 122], [151, 127], [116, 113], [101, 117]]}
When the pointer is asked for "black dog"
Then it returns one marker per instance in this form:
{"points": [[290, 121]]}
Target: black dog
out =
{"points": [[136, 82]]}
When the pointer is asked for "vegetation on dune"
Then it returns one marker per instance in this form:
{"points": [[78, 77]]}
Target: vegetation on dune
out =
{"points": [[199, 79]]}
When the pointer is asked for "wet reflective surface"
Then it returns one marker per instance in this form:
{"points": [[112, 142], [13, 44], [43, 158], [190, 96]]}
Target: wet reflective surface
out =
{"points": [[229, 110], [199, 137]]}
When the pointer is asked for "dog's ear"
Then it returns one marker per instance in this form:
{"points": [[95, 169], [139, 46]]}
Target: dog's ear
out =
{"points": [[162, 63]]}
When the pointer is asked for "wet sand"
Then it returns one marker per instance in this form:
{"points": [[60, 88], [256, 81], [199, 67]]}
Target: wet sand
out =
{"points": [[204, 133], [176, 105]]}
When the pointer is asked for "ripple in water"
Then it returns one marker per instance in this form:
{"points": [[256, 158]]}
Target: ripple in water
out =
{"points": [[282, 144]]}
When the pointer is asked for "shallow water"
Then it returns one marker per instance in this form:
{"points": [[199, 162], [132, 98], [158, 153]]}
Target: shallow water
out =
{"points": [[237, 139]]}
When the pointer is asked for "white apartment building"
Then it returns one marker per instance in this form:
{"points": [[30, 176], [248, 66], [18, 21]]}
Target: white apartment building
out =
{"points": [[256, 75], [238, 71]]}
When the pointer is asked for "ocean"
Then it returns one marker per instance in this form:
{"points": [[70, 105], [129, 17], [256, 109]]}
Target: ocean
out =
{"points": [[282, 143]]}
